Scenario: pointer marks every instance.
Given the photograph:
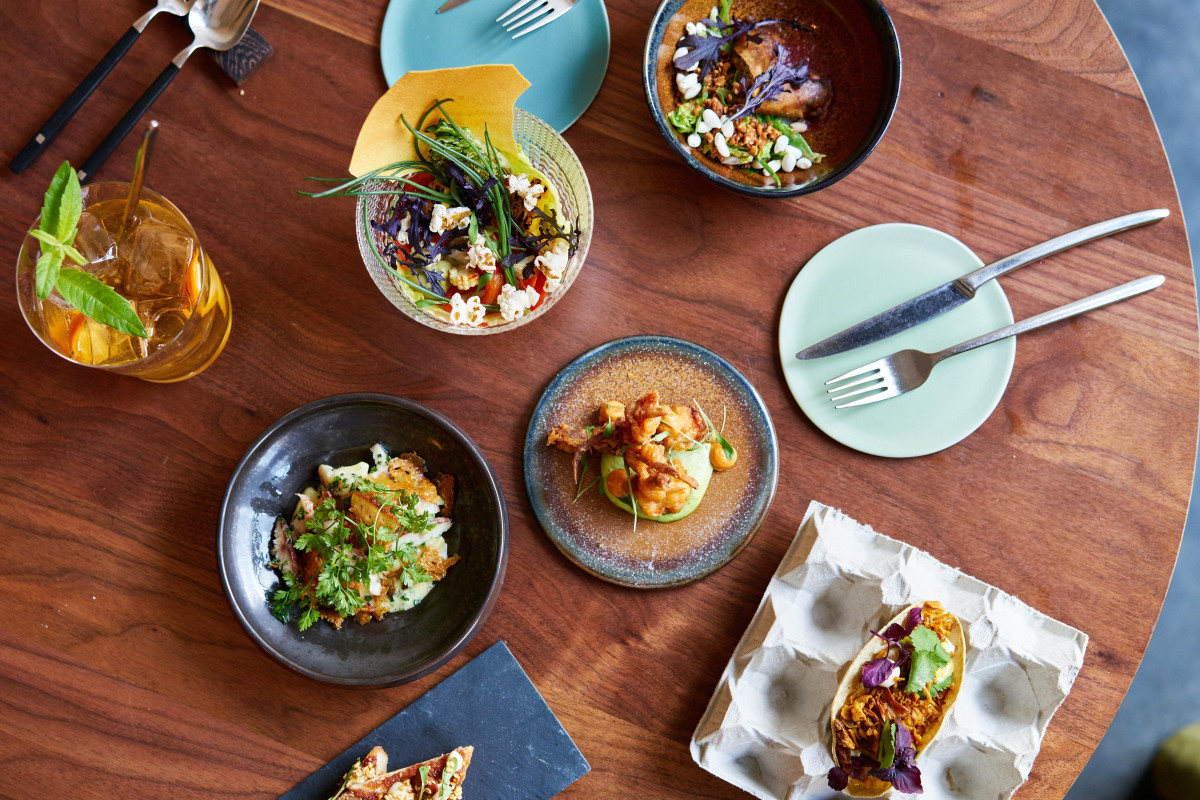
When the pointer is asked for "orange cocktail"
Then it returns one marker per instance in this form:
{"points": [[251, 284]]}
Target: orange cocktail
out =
{"points": [[155, 262]]}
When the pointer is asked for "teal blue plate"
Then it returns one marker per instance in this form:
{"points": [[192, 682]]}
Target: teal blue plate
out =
{"points": [[564, 61], [869, 271]]}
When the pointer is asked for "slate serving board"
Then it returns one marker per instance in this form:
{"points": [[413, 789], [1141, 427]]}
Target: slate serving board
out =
{"points": [[521, 750]]}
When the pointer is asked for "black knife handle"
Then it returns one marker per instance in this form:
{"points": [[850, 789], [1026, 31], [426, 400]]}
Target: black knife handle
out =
{"points": [[128, 122], [59, 119]]}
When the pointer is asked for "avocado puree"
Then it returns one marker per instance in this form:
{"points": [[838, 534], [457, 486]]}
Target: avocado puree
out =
{"points": [[695, 462]]}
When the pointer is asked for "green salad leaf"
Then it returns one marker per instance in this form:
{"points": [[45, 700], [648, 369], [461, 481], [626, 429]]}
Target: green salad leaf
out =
{"points": [[685, 118]]}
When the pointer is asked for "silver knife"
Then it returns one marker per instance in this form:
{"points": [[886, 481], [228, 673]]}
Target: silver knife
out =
{"points": [[951, 295], [452, 4]]}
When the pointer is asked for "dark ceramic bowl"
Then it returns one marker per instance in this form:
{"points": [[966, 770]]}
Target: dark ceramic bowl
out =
{"points": [[339, 431], [869, 125]]}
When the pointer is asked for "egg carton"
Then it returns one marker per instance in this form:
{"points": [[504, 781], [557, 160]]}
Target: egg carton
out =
{"points": [[766, 729]]}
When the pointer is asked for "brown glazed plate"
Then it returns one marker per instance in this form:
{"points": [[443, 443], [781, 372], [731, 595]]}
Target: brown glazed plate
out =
{"points": [[601, 538]]}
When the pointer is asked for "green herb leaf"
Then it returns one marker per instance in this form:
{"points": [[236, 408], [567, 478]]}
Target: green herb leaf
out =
{"points": [[928, 657], [684, 118], [99, 302], [887, 746], [62, 205], [423, 776], [924, 639], [942, 685], [70, 252], [46, 271], [45, 238]]}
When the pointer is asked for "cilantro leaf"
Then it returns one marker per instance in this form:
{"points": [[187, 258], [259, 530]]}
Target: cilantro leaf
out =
{"points": [[98, 301], [920, 674], [942, 685], [887, 746], [928, 657], [924, 639]]}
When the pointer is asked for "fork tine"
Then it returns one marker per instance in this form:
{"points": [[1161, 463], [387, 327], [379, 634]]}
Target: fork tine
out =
{"points": [[515, 7], [863, 370], [881, 383], [533, 12], [874, 376], [545, 21], [875, 398]]}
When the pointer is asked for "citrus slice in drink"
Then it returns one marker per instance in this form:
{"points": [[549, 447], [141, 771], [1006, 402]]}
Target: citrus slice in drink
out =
{"points": [[80, 340]]}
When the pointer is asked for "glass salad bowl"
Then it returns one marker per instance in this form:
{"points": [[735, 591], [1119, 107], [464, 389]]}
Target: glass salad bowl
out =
{"points": [[548, 152]]}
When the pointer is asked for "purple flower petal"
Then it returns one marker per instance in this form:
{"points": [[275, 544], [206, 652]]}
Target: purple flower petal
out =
{"points": [[838, 779], [877, 671]]}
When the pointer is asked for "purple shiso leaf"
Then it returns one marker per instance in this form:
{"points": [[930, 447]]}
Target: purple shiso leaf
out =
{"points": [[914, 619], [904, 773], [772, 82], [877, 671], [838, 779], [908, 779]]}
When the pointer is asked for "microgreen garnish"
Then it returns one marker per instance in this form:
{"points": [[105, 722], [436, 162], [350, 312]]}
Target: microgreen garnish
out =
{"points": [[705, 50], [423, 777], [730, 453], [351, 551], [61, 210], [771, 82]]}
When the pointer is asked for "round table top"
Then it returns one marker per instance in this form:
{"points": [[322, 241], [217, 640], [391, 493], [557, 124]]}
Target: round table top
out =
{"points": [[125, 671]]}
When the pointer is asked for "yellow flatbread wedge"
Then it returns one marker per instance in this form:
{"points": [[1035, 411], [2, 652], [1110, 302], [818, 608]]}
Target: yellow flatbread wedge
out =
{"points": [[483, 97], [851, 688]]}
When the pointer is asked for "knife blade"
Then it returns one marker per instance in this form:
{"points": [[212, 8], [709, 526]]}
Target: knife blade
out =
{"points": [[451, 4], [933, 303], [953, 294]]}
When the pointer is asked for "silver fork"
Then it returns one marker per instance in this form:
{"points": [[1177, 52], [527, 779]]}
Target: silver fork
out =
{"points": [[906, 370], [533, 14]]}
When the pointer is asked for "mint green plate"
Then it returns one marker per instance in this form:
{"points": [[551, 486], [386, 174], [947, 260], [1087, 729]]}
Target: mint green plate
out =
{"points": [[564, 61], [869, 271]]}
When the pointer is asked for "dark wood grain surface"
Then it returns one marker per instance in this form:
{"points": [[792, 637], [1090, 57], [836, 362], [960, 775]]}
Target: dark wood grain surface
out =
{"points": [[124, 672]]}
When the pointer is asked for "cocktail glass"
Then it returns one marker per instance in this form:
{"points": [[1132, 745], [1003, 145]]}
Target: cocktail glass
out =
{"points": [[157, 264]]}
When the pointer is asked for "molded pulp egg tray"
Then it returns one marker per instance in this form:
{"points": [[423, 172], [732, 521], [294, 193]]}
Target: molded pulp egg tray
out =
{"points": [[766, 729]]}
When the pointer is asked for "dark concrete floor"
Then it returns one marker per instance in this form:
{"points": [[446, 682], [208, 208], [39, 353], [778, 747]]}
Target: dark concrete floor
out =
{"points": [[1162, 40]]}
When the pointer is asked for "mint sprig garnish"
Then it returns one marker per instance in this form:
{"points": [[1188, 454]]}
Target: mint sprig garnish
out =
{"points": [[61, 209]]}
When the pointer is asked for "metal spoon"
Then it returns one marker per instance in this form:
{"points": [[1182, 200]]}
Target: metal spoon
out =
{"points": [[139, 176], [42, 139], [217, 25]]}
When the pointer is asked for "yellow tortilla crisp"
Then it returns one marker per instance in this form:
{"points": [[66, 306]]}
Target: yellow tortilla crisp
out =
{"points": [[482, 97]]}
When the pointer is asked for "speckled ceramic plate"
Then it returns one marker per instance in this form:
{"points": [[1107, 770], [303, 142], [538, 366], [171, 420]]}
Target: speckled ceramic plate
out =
{"points": [[597, 535]]}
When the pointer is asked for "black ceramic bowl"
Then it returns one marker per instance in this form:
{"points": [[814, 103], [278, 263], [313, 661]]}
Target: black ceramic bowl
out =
{"points": [[869, 35], [339, 431]]}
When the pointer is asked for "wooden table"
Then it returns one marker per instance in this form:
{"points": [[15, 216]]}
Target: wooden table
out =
{"points": [[124, 672]]}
